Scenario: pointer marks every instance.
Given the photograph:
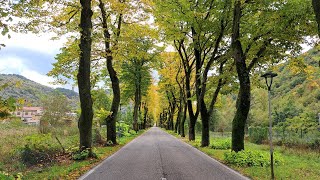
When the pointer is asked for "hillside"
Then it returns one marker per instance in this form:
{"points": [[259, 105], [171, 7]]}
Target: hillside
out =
{"points": [[295, 95], [17, 86], [295, 92]]}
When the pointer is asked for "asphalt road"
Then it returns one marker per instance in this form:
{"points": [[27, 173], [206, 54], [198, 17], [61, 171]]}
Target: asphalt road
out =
{"points": [[156, 155]]}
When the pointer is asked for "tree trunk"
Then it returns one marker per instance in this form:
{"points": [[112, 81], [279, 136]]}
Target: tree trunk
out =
{"points": [[171, 116], [243, 107], [112, 118], [83, 76], [160, 120], [193, 118], [205, 138], [177, 126], [145, 116], [243, 99], [316, 8], [183, 120], [135, 110], [192, 134]]}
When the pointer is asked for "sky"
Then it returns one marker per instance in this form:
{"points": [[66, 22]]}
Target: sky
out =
{"points": [[30, 55]]}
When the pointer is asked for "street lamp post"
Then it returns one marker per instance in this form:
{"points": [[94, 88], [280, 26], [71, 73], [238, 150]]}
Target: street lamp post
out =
{"points": [[269, 78]]}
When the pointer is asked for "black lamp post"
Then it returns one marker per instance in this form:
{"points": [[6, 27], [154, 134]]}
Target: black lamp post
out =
{"points": [[269, 78]]}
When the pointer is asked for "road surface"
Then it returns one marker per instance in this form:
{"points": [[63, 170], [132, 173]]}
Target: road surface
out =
{"points": [[156, 155]]}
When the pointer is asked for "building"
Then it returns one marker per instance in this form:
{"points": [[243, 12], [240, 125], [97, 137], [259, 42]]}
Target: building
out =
{"points": [[29, 115]]}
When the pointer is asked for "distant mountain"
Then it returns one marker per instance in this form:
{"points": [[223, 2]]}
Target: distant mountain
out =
{"points": [[18, 86]]}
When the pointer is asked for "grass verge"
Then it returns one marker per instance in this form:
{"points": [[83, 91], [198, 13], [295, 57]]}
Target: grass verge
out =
{"points": [[74, 169], [298, 164]]}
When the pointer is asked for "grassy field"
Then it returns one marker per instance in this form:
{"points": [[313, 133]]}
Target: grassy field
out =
{"points": [[297, 163], [15, 137]]}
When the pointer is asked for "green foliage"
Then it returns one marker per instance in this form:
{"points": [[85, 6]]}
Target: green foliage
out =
{"points": [[38, 149], [7, 106], [109, 143], [81, 155], [221, 144], [257, 134], [55, 106], [101, 104], [135, 75], [123, 129], [251, 158], [7, 176]]}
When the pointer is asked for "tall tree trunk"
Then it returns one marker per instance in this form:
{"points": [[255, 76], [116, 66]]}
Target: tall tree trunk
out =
{"points": [[243, 99], [161, 120], [205, 137], [183, 120], [136, 110], [173, 108], [83, 76], [316, 8], [145, 116], [177, 126], [112, 118], [192, 117], [168, 119]]}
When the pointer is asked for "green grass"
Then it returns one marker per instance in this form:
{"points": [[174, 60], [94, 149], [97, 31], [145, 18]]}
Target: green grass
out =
{"points": [[74, 169], [298, 163], [13, 139]]}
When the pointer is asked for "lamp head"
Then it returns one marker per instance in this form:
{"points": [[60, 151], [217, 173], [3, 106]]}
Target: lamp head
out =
{"points": [[269, 75]]}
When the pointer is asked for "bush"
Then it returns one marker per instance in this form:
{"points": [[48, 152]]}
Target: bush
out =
{"points": [[81, 155], [315, 144], [37, 150], [123, 129], [251, 158], [221, 144], [7, 176], [258, 134]]}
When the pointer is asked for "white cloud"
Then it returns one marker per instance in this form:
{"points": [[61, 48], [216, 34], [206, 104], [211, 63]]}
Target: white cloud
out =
{"points": [[39, 78], [11, 65], [38, 43], [14, 65], [17, 64]]}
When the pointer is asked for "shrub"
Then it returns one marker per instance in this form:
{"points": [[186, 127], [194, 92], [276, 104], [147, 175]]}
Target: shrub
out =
{"points": [[123, 129], [258, 134], [81, 155], [38, 149], [251, 158], [7, 176], [221, 144]]}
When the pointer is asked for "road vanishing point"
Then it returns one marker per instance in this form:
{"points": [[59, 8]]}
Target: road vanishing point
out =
{"points": [[157, 155]]}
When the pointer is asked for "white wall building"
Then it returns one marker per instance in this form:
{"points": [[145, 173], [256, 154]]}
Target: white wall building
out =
{"points": [[29, 115]]}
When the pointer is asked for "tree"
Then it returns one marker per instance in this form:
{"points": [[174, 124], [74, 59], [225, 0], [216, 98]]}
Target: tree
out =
{"points": [[111, 119], [194, 30], [5, 17], [53, 111], [136, 79], [258, 37], [84, 85], [136, 70]]}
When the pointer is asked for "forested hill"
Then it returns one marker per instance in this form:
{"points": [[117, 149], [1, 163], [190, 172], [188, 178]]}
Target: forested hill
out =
{"points": [[296, 89], [18, 86]]}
